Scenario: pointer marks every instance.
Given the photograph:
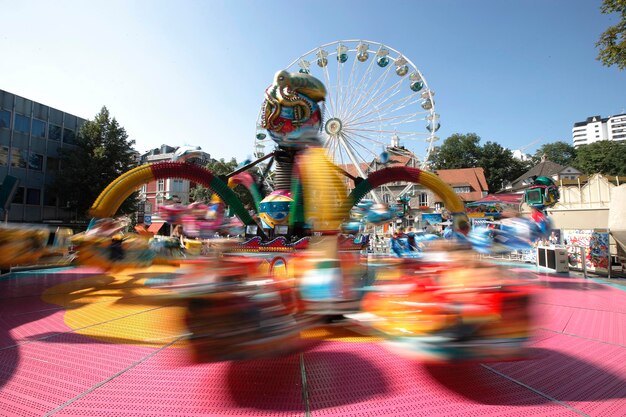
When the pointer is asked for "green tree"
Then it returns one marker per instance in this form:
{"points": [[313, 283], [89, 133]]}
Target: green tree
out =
{"points": [[457, 151], [605, 157], [612, 43], [102, 152], [465, 151], [560, 152], [221, 168], [500, 166]]}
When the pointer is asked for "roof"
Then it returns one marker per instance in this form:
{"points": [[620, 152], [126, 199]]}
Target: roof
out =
{"points": [[351, 169], [595, 119], [502, 198], [474, 177], [542, 169], [583, 179], [395, 160], [463, 177], [155, 227]]}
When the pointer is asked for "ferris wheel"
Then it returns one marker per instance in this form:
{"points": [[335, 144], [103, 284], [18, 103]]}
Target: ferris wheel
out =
{"points": [[378, 105]]}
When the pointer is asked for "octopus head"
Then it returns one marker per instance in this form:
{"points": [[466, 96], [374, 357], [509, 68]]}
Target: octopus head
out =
{"points": [[282, 79]]}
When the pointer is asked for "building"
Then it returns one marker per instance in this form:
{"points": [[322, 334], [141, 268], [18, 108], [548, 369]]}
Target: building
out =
{"points": [[585, 204], [157, 192], [596, 128], [31, 135], [469, 184], [545, 168]]}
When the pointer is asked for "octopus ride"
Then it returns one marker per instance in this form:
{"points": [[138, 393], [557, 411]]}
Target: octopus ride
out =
{"points": [[303, 261]]}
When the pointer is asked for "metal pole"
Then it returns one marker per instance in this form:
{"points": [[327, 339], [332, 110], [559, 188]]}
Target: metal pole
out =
{"points": [[250, 165], [609, 252], [583, 258]]}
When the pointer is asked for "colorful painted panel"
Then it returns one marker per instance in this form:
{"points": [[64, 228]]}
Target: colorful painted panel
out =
{"points": [[596, 249]]}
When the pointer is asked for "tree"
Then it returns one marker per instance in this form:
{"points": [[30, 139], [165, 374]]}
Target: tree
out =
{"points": [[605, 157], [560, 152], [500, 166], [457, 151], [102, 152], [221, 168], [464, 151], [612, 43]]}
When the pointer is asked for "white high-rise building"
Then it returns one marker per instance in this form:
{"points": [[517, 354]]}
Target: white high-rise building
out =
{"points": [[596, 128]]}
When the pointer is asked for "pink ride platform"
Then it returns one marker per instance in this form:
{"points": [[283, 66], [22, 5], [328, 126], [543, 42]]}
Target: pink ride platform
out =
{"points": [[577, 367]]}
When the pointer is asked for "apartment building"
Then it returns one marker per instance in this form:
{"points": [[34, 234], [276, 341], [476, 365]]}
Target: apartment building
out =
{"points": [[597, 128], [157, 192]]}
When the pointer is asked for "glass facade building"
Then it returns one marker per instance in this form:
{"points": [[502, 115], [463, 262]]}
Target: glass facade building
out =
{"points": [[31, 135]]}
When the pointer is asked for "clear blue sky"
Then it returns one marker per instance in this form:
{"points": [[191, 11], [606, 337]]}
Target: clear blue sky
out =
{"points": [[194, 72]]}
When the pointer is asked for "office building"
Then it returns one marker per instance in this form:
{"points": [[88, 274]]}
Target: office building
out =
{"points": [[31, 135]]}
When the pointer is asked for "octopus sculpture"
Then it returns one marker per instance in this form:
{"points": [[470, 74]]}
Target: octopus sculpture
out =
{"points": [[291, 105]]}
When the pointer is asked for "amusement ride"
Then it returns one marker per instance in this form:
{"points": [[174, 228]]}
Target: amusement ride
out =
{"points": [[376, 99], [299, 262]]}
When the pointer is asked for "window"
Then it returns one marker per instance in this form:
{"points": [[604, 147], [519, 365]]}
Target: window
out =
{"points": [[35, 162], [160, 185], [18, 158], [54, 132], [19, 196], [4, 155], [22, 123], [439, 206], [33, 196], [5, 119], [177, 185], [69, 136], [39, 128], [386, 198], [422, 199], [461, 189]]}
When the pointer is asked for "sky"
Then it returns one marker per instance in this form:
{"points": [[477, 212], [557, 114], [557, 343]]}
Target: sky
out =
{"points": [[195, 72]]}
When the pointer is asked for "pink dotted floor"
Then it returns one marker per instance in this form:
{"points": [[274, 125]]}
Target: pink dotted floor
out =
{"points": [[577, 367]]}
